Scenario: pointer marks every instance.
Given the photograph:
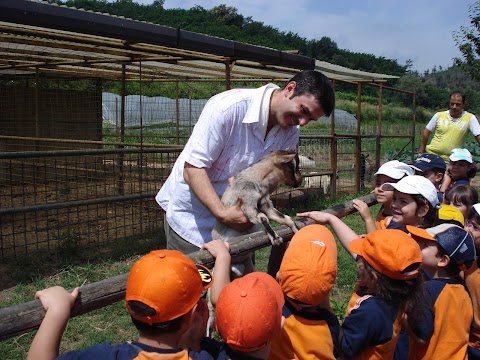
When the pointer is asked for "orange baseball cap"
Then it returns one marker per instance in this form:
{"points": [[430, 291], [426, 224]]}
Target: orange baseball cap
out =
{"points": [[249, 312], [391, 252], [309, 267], [167, 281]]}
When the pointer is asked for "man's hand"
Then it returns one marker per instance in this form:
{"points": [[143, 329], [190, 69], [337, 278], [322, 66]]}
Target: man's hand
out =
{"points": [[202, 187], [235, 218]]}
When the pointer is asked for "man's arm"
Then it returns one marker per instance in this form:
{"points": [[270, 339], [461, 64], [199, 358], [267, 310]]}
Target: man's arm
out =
{"points": [[200, 184], [477, 138], [423, 141], [57, 302]]}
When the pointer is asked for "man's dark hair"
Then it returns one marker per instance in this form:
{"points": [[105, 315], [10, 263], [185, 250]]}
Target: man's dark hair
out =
{"points": [[311, 82], [457, 93], [142, 309]]}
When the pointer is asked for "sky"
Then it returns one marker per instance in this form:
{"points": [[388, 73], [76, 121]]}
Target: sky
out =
{"points": [[420, 30]]}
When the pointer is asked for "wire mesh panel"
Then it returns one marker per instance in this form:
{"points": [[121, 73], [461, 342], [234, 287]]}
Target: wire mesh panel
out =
{"points": [[53, 199], [82, 159], [315, 162]]}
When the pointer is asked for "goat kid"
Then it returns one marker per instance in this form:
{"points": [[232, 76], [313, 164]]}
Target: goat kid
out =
{"points": [[253, 186], [367, 169]]}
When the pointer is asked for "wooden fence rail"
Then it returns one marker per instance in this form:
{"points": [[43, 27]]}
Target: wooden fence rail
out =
{"points": [[22, 318]]}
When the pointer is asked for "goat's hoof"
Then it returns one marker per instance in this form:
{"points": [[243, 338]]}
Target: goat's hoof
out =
{"points": [[277, 241], [238, 270]]}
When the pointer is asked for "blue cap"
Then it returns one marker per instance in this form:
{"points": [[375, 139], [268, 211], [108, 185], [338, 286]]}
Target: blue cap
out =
{"points": [[457, 243], [429, 161]]}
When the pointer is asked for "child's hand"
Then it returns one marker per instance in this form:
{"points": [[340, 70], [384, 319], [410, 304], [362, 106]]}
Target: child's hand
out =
{"points": [[317, 216], [58, 303], [197, 329], [362, 208], [218, 248], [58, 299]]}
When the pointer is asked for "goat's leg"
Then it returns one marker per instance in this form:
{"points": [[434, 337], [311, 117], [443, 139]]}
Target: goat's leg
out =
{"points": [[250, 209], [273, 214], [275, 239]]}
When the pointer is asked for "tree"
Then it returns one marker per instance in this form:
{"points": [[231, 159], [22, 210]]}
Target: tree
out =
{"points": [[409, 66], [158, 4], [228, 15], [468, 42], [322, 49]]}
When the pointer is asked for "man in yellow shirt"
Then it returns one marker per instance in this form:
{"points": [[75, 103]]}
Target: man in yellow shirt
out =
{"points": [[450, 128]]}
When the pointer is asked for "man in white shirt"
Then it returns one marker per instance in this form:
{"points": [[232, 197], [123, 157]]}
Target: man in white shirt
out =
{"points": [[235, 129]]}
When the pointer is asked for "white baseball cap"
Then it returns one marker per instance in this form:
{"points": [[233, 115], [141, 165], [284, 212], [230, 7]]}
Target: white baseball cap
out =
{"points": [[415, 184], [461, 154], [395, 169]]}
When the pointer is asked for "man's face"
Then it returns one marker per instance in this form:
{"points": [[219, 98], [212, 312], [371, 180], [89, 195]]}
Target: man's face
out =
{"points": [[297, 110], [456, 106]]}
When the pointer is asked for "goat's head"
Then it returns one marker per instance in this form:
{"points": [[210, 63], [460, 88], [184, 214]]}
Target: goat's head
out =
{"points": [[289, 165]]}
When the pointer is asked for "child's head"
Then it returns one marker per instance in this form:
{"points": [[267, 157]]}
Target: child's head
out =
{"points": [[391, 172], [414, 201], [163, 287], [474, 223], [249, 312], [389, 264], [445, 246], [462, 197], [448, 214], [461, 165], [309, 267], [431, 167]]}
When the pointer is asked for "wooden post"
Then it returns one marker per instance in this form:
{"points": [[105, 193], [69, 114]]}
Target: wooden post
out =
{"points": [[333, 152], [358, 140]]}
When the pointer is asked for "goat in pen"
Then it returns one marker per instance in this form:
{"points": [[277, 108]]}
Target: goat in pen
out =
{"points": [[253, 186]]}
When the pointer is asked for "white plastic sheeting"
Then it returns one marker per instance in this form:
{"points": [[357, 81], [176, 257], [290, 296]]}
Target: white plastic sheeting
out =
{"points": [[155, 110]]}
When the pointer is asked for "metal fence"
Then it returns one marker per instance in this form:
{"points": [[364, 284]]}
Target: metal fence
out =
{"points": [[72, 177]]}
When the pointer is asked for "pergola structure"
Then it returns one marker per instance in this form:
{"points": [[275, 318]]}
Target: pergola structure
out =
{"points": [[38, 37]]}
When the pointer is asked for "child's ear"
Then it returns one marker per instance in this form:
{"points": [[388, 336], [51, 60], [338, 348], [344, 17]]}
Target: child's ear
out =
{"points": [[439, 177], [422, 211], [443, 261], [189, 317]]}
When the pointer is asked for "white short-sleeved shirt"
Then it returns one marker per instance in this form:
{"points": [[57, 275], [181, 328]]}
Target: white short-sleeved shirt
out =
{"points": [[226, 139]]}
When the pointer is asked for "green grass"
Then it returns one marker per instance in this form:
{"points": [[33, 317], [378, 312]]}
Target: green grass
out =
{"points": [[112, 323]]}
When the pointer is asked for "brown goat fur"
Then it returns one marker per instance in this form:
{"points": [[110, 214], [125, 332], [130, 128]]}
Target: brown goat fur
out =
{"points": [[253, 187]]}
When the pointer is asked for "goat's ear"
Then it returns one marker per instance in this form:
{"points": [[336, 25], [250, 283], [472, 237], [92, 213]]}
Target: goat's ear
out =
{"points": [[283, 159]]}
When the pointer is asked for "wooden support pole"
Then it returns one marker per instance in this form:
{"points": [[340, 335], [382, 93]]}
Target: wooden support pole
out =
{"points": [[19, 319]]}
